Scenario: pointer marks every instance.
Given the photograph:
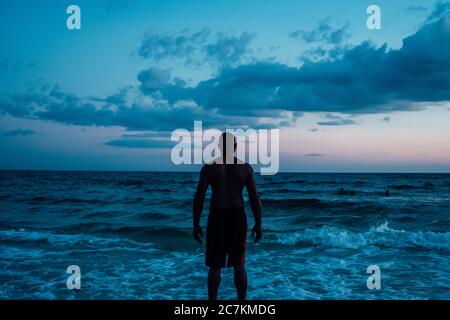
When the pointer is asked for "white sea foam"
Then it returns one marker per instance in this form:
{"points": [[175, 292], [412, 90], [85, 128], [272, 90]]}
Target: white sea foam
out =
{"points": [[381, 235]]}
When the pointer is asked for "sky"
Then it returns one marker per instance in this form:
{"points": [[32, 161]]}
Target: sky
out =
{"points": [[108, 96]]}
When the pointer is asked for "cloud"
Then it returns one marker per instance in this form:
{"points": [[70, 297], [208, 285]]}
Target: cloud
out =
{"points": [[143, 140], [321, 54], [130, 109], [19, 105], [335, 120], [324, 32], [386, 119], [183, 45], [153, 135], [153, 79], [158, 116], [365, 79], [229, 49], [339, 122], [441, 10], [18, 132], [313, 130], [140, 143], [314, 155], [198, 47]]}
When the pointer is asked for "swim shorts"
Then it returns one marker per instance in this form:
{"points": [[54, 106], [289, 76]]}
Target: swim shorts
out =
{"points": [[226, 236]]}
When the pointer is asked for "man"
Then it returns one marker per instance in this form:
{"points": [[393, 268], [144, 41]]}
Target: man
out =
{"points": [[226, 233]]}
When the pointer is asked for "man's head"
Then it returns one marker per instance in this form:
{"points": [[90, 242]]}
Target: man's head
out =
{"points": [[227, 144]]}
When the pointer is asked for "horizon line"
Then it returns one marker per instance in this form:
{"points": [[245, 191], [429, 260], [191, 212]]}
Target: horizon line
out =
{"points": [[196, 171]]}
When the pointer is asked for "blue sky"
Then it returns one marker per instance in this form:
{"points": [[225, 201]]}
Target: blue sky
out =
{"points": [[106, 97]]}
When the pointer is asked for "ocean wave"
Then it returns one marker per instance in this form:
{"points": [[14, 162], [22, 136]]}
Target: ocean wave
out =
{"points": [[79, 241], [151, 216], [425, 185], [381, 235], [134, 200], [294, 203], [158, 190], [363, 207], [401, 187], [131, 183], [39, 199], [144, 232]]}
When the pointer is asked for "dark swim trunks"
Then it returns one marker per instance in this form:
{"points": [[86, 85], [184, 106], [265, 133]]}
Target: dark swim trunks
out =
{"points": [[226, 236]]}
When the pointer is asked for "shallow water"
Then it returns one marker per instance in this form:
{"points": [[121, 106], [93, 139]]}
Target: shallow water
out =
{"points": [[130, 233]]}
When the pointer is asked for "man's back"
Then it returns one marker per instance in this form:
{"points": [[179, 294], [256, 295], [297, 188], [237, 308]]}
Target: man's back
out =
{"points": [[227, 183]]}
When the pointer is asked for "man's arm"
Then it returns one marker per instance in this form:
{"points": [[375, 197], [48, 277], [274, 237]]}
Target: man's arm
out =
{"points": [[255, 204], [199, 199]]}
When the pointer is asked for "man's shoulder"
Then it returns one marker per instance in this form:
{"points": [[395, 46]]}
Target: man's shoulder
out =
{"points": [[248, 167], [244, 165], [208, 166]]}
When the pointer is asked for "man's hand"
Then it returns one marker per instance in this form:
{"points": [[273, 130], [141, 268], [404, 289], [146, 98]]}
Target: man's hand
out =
{"points": [[198, 234], [257, 233]]}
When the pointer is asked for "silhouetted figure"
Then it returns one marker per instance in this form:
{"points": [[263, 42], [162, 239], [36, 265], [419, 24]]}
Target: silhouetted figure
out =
{"points": [[387, 193], [341, 191], [352, 193], [226, 233]]}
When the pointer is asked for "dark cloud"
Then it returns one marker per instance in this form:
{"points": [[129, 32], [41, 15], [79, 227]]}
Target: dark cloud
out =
{"points": [[229, 49], [119, 97], [335, 120], [143, 140], [440, 10], [127, 110], [324, 32], [18, 132], [20, 105], [338, 122], [140, 143], [154, 134], [386, 119], [153, 79], [198, 47], [183, 45], [314, 155], [321, 54], [365, 79]]}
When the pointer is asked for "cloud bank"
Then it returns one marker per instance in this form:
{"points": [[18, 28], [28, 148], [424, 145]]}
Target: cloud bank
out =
{"points": [[361, 79], [366, 79]]}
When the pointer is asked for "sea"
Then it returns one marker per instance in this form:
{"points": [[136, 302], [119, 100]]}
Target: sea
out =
{"points": [[130, 235]]}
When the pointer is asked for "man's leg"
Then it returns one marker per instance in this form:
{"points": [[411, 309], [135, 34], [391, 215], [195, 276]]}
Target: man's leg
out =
{"points": [[213, 283], [240, 281]]}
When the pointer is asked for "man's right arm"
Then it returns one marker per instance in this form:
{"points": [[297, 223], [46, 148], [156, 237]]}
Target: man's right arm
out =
{"points": [[199, 200]]}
